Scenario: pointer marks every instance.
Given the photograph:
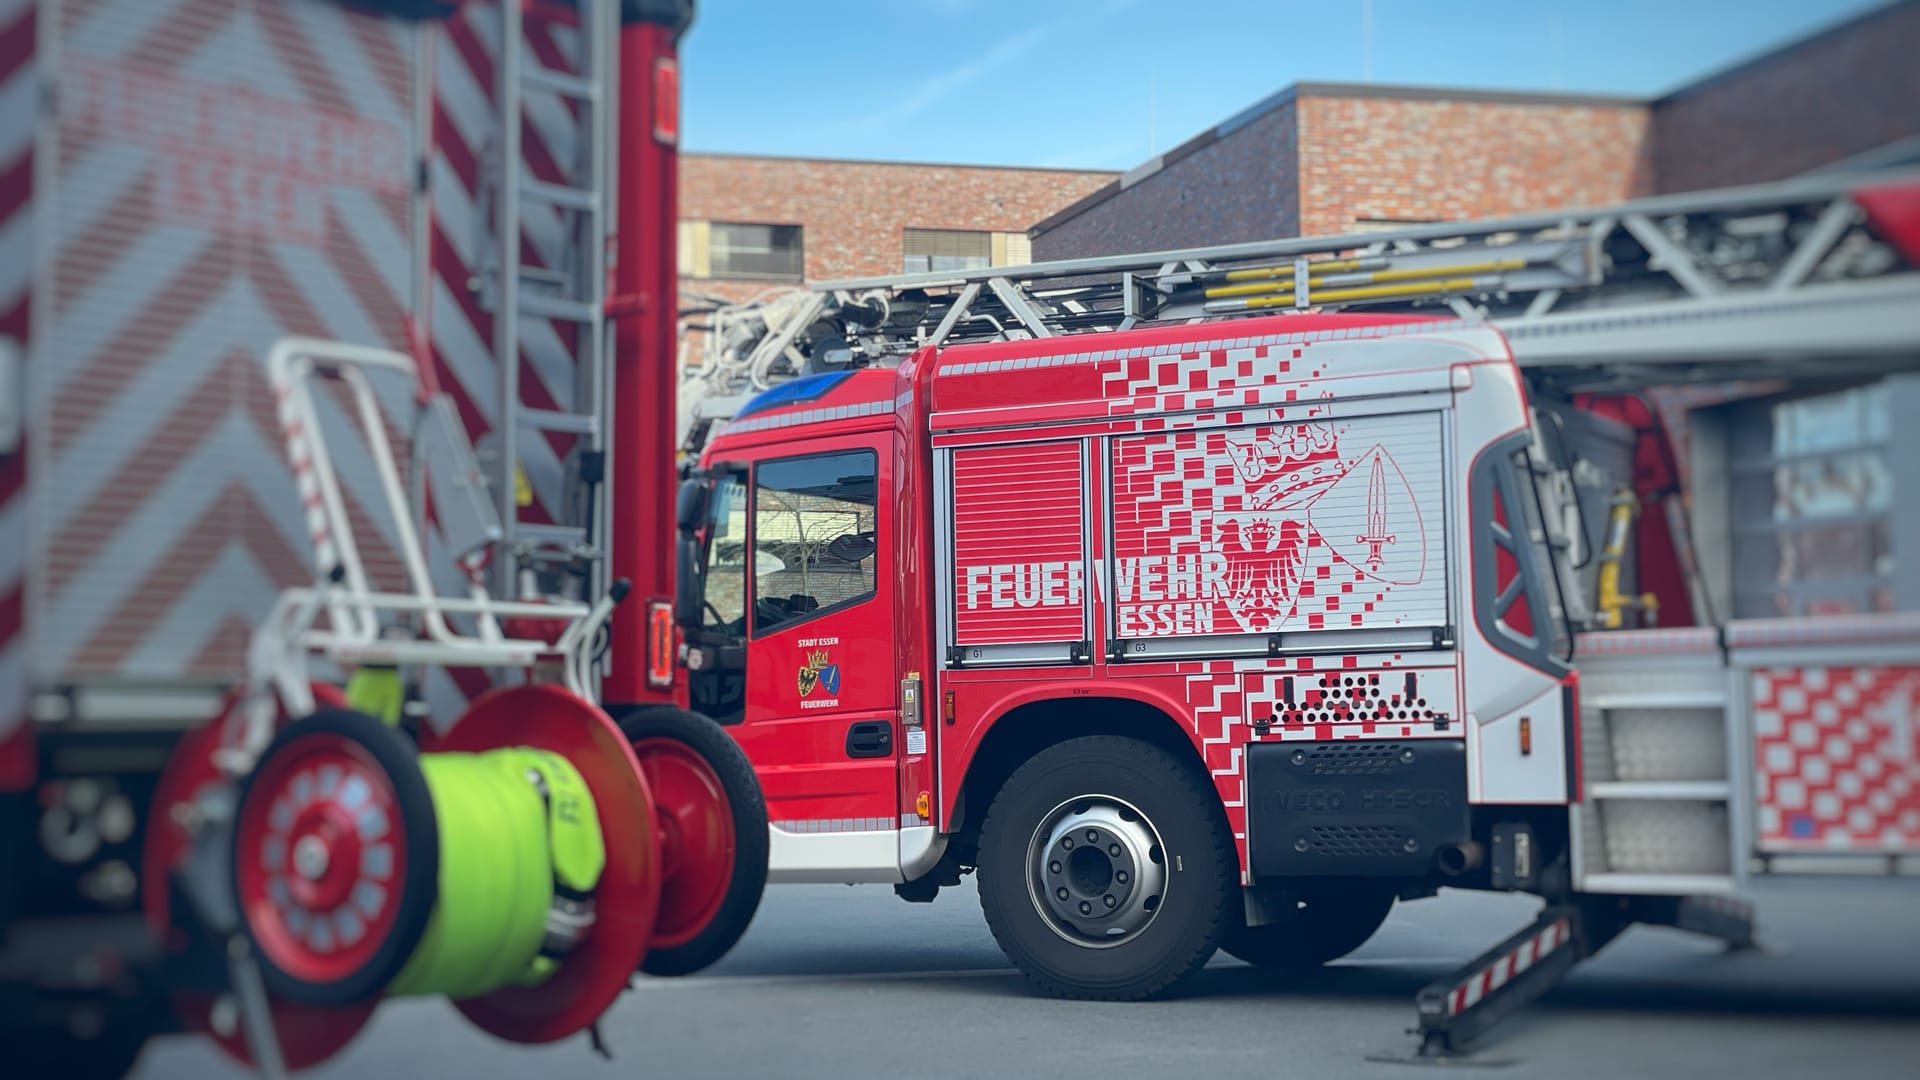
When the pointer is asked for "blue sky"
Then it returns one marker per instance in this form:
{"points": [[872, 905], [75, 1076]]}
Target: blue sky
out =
{"points": [[1106, 83]]}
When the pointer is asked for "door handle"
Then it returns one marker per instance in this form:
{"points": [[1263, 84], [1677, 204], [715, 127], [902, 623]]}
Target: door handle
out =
{"points": [[870, 738]]}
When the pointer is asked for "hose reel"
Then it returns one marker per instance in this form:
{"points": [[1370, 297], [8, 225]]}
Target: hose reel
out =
{"points": [[505, 868], [511, 865]]}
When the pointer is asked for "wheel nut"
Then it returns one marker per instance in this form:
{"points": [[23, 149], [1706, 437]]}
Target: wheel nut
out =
{"points": [[1093, 836], [1067, 842], [1086, 908], [1110, 901], [1120, 876], [1113, 850], [1061, 893], [1053, 867], [310, 857]]}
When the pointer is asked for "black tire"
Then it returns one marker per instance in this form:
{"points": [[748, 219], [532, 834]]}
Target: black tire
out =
{"points": [[1332, 919], [420, 881], [748, 805], [1198, 864]]}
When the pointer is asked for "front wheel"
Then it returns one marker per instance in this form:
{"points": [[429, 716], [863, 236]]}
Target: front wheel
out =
{"points": [[1327, 921], [712, 822], [1106, 869]]}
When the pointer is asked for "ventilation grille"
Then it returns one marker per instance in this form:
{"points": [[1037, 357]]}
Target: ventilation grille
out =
{"points": [[1346, 699], [1357, 841], [1355, 759]]}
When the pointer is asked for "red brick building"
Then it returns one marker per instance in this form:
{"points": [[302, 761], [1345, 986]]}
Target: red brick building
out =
{"points": [[1319, 159], [753, 223]]}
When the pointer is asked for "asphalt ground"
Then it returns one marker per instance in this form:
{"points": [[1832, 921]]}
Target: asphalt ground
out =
{"points": [[850, 982]]}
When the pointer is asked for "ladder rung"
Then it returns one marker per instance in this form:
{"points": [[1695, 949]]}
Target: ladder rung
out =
{"points": [[545, 276], [549, 420], [540, 533], [541, 78], [570, 198], [556, 307]]}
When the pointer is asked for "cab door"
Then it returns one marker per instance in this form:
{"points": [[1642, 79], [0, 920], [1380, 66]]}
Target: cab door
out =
{"points": [[820, 716]]}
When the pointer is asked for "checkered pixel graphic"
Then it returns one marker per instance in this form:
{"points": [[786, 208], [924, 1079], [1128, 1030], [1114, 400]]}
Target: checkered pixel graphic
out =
{"points": [[1217, 378], [1306, 698], [1029, 382], [1835, 757], [1250, 371]]}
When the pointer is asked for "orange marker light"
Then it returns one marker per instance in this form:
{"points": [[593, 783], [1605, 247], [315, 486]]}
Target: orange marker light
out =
{"points": [[1526, 736], [924, 805], [660, 644], [666, 101]]}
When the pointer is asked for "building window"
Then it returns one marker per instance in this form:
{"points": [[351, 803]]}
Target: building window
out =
{"points": [[946, 249], [736, 250], [1812, 502], [937, 250]]}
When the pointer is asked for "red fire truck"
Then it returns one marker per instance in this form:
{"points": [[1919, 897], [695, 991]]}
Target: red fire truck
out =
{"points": [[1189, 615], [323, 314]]}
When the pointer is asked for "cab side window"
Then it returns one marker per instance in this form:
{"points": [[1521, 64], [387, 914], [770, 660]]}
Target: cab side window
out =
{"points": [[815, 532]]}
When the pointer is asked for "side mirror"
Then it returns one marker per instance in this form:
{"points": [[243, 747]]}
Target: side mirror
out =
{"points": [[690, 574], [696, 496], [851, 547]]}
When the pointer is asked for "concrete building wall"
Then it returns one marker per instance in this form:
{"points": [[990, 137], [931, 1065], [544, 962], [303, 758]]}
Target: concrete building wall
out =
{"points": [[853, 215], [1850, 90]]}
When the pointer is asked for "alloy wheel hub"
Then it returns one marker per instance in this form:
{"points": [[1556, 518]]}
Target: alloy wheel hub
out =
{"points": [[1096, 871]]}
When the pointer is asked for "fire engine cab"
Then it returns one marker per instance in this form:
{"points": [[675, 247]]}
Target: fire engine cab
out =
{"points": [[1203, 635]]}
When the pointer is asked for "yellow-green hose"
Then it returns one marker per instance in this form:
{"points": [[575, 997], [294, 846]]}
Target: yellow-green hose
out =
{"points": [[501, 846]]}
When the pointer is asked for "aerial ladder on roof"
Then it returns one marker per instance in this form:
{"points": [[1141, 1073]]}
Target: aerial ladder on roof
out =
{"points": [[1813, 276]]}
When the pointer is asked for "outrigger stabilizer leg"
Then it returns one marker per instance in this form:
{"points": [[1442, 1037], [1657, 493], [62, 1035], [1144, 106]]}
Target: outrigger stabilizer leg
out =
{"points": [[1456, 1013], [201, 892]]}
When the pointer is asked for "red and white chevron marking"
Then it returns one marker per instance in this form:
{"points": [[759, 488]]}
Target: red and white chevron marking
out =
{"points": [[1478, 985], [229, 174], [460, 328], [465, 123], [17, 99]]}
